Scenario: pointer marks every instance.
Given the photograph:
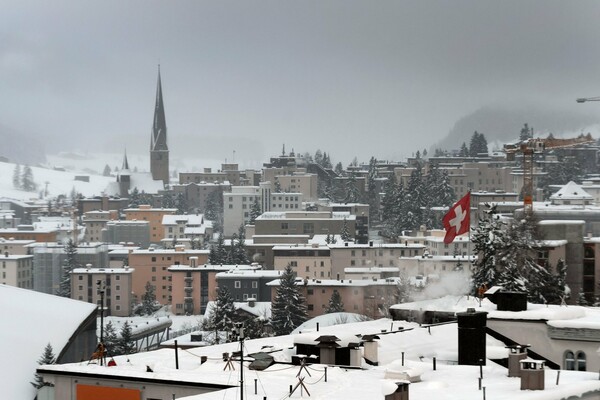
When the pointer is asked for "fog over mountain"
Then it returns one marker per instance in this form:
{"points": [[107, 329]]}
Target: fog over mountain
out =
{"points": [[501, 124]]}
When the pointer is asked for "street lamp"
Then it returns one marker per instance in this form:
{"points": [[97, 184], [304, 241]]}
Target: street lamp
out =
{"points": [[586, 99], [101, 290]]}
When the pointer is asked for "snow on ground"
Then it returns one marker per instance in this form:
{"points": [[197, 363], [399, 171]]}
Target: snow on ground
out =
{"points": [[448, 382], [329, 320]]}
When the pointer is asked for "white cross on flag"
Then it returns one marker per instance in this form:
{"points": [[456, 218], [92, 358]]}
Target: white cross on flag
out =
{"points": [[457, 221]]}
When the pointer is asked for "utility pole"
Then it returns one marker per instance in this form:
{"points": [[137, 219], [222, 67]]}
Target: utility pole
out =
{"points": [[101, 288], [241, 335]]}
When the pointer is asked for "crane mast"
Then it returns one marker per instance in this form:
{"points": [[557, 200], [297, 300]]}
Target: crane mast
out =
{"points": [[528, 148]]}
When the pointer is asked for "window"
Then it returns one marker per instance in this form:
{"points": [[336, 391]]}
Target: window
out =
{"points": [[353, 253], [118, 307], [153, 259], [117, 277], [309, 291], [230, 206], [117, 297], [580, 363], [153, 269], [569, 361], [80, 287], [364, 253], [310, 307], [245, 296], [307, 269], [118, 287], [80, 277], [237, 284]]}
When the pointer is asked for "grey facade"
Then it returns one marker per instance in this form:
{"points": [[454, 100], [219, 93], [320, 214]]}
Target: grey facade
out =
{"points": [[136, 232], [49, 258]]}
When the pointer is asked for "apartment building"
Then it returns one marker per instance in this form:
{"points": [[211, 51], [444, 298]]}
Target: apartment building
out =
{"points": [[101, 203], [435, 267], [260, 247], [15, 247], [16, 270], [194, 285], [305, 223], [299, 183], [367, 297], [311, 260], [87, 282], [27, 232], [192, 227], [49, 259], [344, 255], [151, 265], [154, 217], [196, 195], [95, 221], [359, 210], [133, 232], [247, 282]]}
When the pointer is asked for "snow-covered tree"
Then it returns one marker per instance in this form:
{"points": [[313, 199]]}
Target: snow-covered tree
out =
{"points": [[70, 262], [582, 299], [27, 182], [403, 289], [352, 192], [335, 303], [47, 358], [218, 252], [214, 209], [16, 178], [110, 338], [149, 305], [277, 186], [288, 308], [488, 240], [345, 233], [255, 211], [106, 171], [221, 317], [125, 343]]}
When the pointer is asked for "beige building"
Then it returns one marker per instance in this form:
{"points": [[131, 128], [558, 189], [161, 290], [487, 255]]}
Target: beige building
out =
{"points": [[367, 297], [15, 247], [307, 260], [94, 222], [435, 267], [190, 227], [151, 265], [116, 282], [299, 183], [344, 255], [154, 216], [16, 270], [304, 223]]}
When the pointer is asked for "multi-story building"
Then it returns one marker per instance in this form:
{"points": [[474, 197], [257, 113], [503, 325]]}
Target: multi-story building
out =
{"points": [[367, 297], [131, 232], [247, 282], [151, 265], [15, 247], [16, 270], [435, 267], [154, 217], [192, 227], [196, 195], [87, 282], [194, 285], [49, 259], [94, 222], [360, 211], [345, 255], [27, 232], [305, 223], [311, 260], [104, 203], [260, 247], [299, 183]]}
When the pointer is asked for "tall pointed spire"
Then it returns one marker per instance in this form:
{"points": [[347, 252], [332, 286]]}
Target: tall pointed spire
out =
{"points": [[159, 127], [159, 151], [125, 165]]}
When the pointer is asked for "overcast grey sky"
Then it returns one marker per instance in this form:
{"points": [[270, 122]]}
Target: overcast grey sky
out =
{"points": [[350, 77]]}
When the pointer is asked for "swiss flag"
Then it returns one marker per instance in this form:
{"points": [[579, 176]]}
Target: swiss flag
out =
{"points": [[457, 221]]}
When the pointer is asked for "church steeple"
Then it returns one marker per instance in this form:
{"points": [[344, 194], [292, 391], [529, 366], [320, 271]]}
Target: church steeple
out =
{"points": [[125, 165], [159, 151], [159, 127]]}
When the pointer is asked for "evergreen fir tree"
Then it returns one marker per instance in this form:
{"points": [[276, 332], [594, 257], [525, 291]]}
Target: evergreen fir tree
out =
{"points": [[277, 186], [47, 358], [403, 289], [181, 203], [319, 157], [464, 150], [335, 303], [255, 211], [288, 308], [27, 182], [222, 316], [149, 305], [488, 239], [70, 262], [582, 299], [125, 343], [345, 233], [526, 133], [214, 209], [16, 179], [110, 338], [106, 171], [352, 192], [134, 198], [339, 169]]}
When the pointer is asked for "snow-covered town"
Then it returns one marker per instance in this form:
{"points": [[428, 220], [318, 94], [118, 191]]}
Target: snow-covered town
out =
{"points": [[219, 200]]}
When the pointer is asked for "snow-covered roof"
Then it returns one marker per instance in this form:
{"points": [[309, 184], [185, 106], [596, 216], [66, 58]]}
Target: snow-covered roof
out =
{"points": [[571, 191], [191, 219], [32, 320], [342, 282], [448, 382]]}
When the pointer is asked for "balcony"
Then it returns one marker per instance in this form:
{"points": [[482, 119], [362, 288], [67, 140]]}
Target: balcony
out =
{"points": [[188, 279], [188, 299], [188, 290]]}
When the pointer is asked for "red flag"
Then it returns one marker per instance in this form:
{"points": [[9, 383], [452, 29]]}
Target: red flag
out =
{"points": [[457, 221]]}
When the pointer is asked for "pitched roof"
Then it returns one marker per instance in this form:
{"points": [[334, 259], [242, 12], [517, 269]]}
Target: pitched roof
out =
{"points": [[571, 191]]}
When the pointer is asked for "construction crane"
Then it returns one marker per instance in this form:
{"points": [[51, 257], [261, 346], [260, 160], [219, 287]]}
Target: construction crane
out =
{"points": [[533, 146]]}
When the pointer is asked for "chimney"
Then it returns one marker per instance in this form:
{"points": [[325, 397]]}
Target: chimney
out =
{"points": [[401, 392], [532, 374], [471, 337], [517, 353], [251, 302]]}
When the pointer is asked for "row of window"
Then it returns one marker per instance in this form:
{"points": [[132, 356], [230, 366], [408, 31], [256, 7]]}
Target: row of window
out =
{"points": [[238, 284], [575, 361]]}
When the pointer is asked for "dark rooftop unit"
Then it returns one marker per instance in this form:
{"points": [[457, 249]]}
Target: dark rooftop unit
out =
{"points": [[506, 300]]}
